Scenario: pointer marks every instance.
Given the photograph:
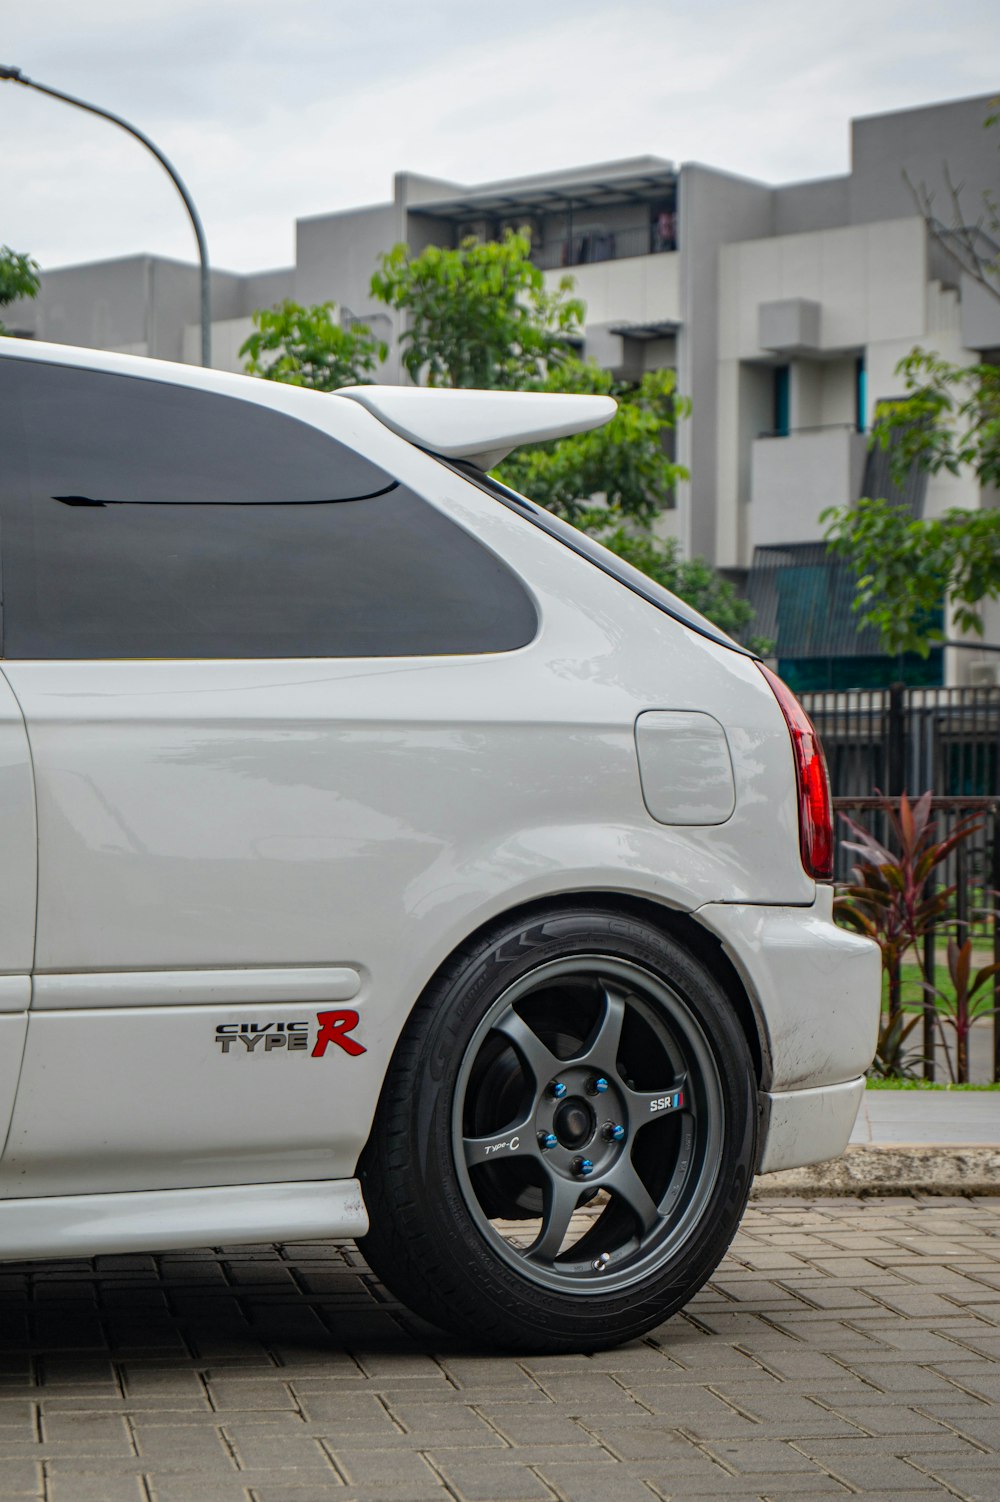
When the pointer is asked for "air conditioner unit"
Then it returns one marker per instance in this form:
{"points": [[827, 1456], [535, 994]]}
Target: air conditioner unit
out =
{"points": [[983, 674]]}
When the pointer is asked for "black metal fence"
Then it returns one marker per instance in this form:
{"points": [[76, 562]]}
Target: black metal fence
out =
{"points": [[915, 740]]}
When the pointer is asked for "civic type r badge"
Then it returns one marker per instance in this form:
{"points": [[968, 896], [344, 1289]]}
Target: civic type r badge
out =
{"points": [[312, 1036]]}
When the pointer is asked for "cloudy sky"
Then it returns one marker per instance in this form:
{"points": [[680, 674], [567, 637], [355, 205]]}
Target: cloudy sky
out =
{"points": [[276, 110]]}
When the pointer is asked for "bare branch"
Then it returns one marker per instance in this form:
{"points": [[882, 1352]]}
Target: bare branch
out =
{"points": [[959, 240]]}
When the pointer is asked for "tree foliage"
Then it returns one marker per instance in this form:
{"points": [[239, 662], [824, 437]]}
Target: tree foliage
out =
{"points": [[479, 316], [308, 347], [18, 277], [948, 420], [907, 567], [624, 462]]}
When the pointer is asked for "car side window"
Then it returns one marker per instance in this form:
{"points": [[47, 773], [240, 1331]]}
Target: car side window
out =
{"points": [[141, 519]]}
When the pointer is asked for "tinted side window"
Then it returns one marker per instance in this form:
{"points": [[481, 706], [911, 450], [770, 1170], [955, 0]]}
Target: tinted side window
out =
{"points": [[122, 438], [203, 526]]}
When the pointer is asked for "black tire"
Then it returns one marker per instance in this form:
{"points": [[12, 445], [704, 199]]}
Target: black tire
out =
{"points": [[527, 1053]]}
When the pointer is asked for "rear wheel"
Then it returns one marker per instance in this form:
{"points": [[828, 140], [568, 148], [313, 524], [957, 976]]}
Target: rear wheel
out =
{"points": [[566, 1137]]}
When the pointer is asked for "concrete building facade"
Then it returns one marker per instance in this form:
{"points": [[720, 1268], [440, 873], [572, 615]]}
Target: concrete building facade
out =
{"points": [[784, 311]]}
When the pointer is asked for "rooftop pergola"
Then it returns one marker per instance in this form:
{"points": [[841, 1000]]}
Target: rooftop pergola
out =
{"points": [[555, 194]]}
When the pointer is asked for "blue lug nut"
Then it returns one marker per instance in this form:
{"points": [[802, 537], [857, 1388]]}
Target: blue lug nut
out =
{"points": [[584, 1167], [614, 1132], [598, 1086], [557, 1089], [547, 1141]]}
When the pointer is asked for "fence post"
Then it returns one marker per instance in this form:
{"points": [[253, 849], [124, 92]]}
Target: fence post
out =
{"points": [[961, 934], [896, 749], [930, 1003], [993, 900]]}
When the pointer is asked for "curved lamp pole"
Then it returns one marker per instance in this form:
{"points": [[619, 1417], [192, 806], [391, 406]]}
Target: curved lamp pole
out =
{"points": [[14, 75]]}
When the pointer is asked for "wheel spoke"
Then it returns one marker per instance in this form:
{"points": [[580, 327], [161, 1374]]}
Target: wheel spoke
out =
{"points": [[679, 1176], [540, 1061], [604, 1044], [652, 1105], [516, 1141], [561, 1198], [624, 1181]]}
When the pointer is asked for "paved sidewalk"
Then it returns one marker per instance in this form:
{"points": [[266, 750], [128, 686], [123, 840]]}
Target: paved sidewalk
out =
{"points": [[843, 1350], [944, 1118]]}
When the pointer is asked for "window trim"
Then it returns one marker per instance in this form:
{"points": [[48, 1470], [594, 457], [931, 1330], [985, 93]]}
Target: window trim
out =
{"points": [[586, 547]]}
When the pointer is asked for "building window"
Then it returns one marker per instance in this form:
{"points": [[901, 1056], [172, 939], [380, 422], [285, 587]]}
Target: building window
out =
{"points": [[782, 400], [663, 227]]}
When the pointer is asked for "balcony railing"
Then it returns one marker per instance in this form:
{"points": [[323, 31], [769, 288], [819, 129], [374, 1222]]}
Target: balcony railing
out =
{"points": [[592, 245], [794, 478], [822, 427]]}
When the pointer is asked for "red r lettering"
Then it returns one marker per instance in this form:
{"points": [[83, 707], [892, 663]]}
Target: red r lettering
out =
{"points": [[334, 1028]]}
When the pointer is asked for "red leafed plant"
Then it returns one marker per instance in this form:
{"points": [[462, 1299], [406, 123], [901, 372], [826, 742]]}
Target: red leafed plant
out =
{"points": [[887, 897], [971, 1002]]}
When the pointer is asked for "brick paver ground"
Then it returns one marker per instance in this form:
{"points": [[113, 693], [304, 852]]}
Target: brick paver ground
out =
{"points": [[844, 1349]]}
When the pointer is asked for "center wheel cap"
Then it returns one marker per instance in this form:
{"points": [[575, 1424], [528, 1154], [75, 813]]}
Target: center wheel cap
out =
{"points": [[574, 1123]]}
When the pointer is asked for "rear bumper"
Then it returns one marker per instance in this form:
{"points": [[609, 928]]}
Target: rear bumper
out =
{"points": [[807, 1126], [815, 989]]}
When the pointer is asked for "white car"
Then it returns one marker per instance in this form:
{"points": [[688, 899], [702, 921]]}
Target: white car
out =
{"points": [[376, 845]]}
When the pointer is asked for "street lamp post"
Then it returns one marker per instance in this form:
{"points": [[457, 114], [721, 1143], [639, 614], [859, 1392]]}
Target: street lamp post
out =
{"points": [[14, 75]]}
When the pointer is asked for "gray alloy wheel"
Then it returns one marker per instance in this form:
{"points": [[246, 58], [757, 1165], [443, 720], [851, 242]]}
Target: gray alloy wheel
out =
{"points": [[625, 1122]]}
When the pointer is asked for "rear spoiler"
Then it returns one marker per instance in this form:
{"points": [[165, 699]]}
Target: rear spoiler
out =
{"points": [[480, 427]]}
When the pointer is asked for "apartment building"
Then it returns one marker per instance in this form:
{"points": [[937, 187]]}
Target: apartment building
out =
{"points": [[784, 310]]}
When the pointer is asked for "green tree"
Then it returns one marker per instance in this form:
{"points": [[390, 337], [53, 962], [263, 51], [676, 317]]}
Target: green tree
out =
{"points": [[308, 347], [479, 316], [949, 420], [18, 277], [907, 567], [625, 461]]}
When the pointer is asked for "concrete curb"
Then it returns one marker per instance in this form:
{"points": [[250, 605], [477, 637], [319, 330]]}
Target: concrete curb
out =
{"points": [[870, 1170]]}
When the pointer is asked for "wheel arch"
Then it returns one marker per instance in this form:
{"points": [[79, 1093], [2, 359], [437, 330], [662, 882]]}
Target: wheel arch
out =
{"points": [[681, 926]]}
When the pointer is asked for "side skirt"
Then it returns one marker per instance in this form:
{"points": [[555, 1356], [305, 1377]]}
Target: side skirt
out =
{"points": [[89, 1225]]}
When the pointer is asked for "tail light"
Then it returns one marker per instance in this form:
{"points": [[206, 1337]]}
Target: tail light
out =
{"points": [[812, 779]]}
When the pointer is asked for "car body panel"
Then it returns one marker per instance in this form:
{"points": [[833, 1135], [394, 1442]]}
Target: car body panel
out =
{"points": [[130, 1098], [18, 837], [88, 1225], [13, 1034], [305, 985], [18, 887], [799, 1127], [249, 814], [815, 987]]}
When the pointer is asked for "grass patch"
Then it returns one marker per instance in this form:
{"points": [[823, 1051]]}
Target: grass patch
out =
{"points": [[911, 987], [922, 1085], [912, 990]]}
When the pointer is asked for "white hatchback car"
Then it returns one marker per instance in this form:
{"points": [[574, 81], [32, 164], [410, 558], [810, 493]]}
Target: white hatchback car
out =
{"points": [[377, 845]]}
